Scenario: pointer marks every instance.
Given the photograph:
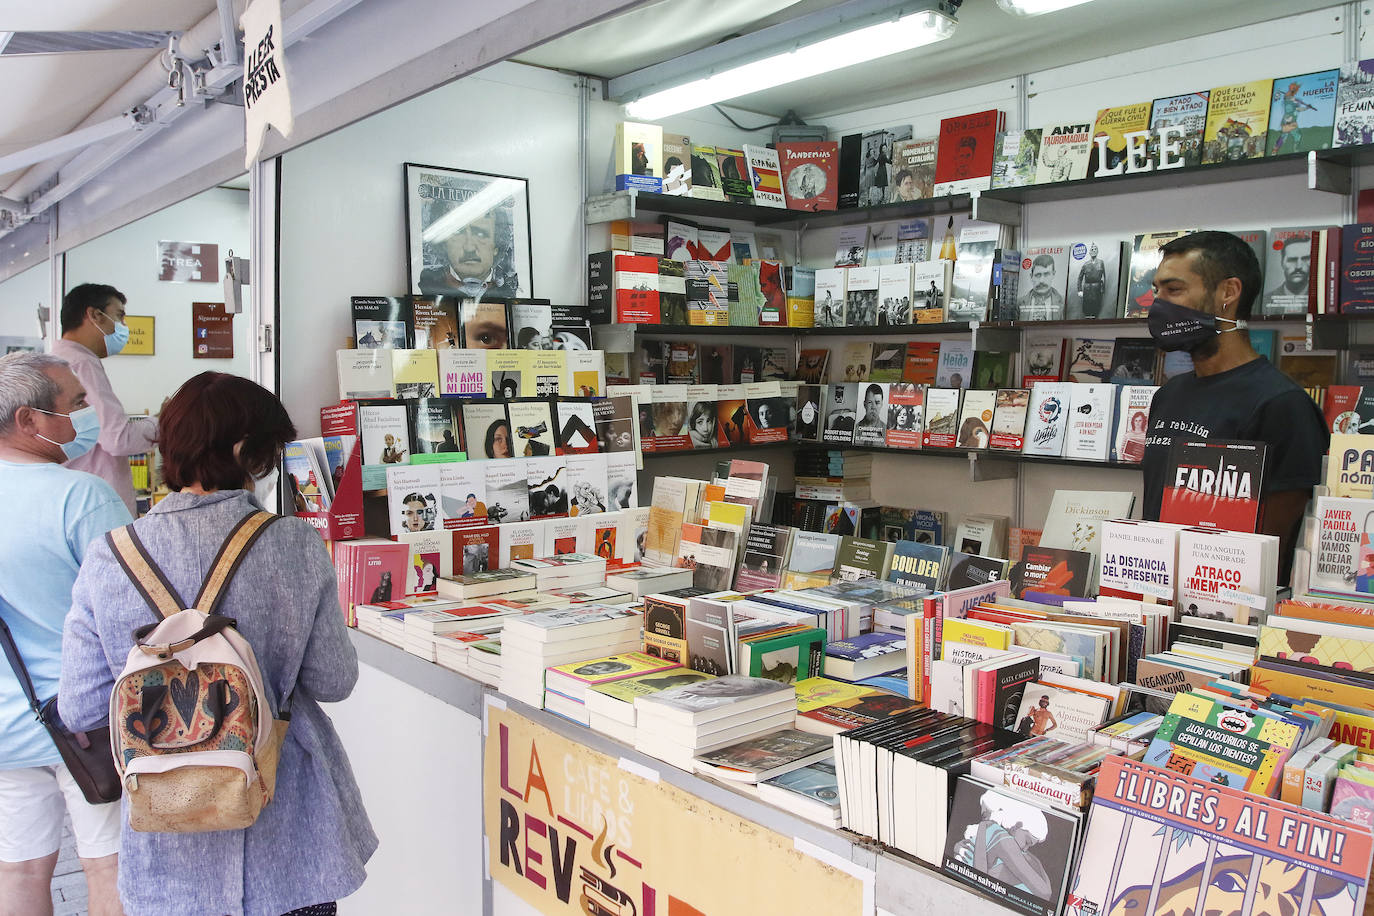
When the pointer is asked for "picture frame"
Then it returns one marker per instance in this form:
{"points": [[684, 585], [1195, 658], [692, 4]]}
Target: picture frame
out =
{"points": [[481, 219]]}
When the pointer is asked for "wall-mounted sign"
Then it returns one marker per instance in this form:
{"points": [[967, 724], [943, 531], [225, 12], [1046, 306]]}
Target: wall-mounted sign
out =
{"points": [[212, 331], [187, 262], [141, 335]]}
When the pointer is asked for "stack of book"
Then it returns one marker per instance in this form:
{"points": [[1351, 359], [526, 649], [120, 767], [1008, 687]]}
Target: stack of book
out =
{"points": [[565, 571], [676, 725], [811, 792], [422, 629], [566, 686], [454, 650], [754, 760], [611, 707], [533, 643], [491, 583], [647, 580], [1057, 772]]}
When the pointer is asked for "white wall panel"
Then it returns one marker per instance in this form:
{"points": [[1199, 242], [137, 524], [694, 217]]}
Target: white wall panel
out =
{"points": [[128, 260], [20, 295]]}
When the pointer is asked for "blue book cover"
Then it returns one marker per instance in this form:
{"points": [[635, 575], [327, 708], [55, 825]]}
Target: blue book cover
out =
{"points": [[1302, 113], [925, 528], [816, 780], [865, 645], [893, 682], [919, 565]]}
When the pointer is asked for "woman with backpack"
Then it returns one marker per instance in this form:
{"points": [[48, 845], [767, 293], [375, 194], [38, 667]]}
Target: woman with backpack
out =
{"points": [[204, 839]]}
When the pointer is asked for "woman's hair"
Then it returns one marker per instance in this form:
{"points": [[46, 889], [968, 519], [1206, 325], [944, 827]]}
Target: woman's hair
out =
{"points": [[207, 418], [491, 436]]}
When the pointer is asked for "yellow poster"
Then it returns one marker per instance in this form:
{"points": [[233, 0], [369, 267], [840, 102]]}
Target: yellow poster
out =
{"points": [[141, 337], [572, 832]]}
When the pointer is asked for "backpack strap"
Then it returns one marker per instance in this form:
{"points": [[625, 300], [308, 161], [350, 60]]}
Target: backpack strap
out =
{"points": [[144, 573], [230, 556]]}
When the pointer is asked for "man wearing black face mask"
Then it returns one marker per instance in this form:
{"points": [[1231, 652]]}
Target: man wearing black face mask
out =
{"points": [[1204, 287]]}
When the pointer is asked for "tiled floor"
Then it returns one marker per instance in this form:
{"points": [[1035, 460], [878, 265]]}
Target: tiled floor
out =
{"points": [[68, 883]]}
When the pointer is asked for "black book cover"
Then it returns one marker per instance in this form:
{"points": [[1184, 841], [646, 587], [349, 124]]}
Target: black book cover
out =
{"points": [[434, 426], [1133, 361], [382, 321], [851, 167], [1011, 682]]}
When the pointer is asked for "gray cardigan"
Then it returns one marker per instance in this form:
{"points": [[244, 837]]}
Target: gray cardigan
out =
{"points": [[311, 843]]}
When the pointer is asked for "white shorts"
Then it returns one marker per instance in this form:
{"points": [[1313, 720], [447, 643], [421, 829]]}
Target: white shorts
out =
{"points": [[32, 801]]}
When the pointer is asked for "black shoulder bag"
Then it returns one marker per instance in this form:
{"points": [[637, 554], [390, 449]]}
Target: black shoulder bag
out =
{"points": [[87, 754]]}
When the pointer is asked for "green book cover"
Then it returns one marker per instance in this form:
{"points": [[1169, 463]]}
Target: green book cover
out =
{"points": [[788, 658], [1210, 740], [749, 302]]}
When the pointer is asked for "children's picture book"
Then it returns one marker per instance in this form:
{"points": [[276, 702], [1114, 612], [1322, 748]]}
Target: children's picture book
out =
{"points": [[1302, 113], [1237, 122]]}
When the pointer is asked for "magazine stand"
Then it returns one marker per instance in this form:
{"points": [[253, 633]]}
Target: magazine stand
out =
{"points": [[352, 513]]}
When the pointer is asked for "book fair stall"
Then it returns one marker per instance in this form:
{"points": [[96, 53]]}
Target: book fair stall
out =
{"points": [[800, 505]]}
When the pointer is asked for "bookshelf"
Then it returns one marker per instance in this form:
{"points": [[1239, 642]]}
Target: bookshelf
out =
{"points": [[1322, 170]]}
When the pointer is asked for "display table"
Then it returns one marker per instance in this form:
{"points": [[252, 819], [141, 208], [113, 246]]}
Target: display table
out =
{"points": [[415, 736]]}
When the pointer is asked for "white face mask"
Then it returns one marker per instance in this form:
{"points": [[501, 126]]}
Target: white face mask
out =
{"points": [[265, 489]]}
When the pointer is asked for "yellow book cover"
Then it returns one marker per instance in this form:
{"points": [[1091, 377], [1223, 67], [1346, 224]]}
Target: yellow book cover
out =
{"points": [[1114, 124], [504, 367], [1352, 613], [1237, 122], [1333, 651], [612, 667], [916, 665], [585, 375], [1355, 728], [1288, 684], [1350, 469], [543, 372], [794, 580], [815, 692], [730, 515], [974, 633], [801, 312], [414, 373]]}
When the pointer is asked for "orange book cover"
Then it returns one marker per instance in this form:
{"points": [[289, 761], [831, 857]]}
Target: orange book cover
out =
{"points": [[1351, 614]]}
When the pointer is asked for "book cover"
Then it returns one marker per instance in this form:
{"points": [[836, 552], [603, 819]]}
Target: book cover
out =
{"points": [[364, 373], [1094, 279], [765, 176], [734, 175], [1302, 113], [860, 558], [1074, 519], [966, 148], [918, 565], [876, 173], [894, 297], [1047, 419], [1139, 847], [639, 151], [1237, 121], [812, 560], [870, 427], [905, 415], [1342, 558], [913, 168], [382, 322], [414, 374], [1090, 359], [1215, 483], [677, 164], [1064, 715], [810, 175], [1215, 741], [975, 419], [765, 557], [384, 434], [706, 183], [972, 281], [941, 417], [831, 290], [841, 413], [463, 493], [463, 374], [768, 754], [436, 322], [922, 362], [1224, 575], [1131, 422], [1354, 116], [929, 282], [1044, 358], [1089, 434], [968, 570], [508, 494], [1357, 268], [1048, 573], [1145, 257], [1018, 153], [985, 822], [1288, 270], [1009, 419], [1043, 298], [1064, 152], [1133, 361], [955, 369], [1185, 117], [1113, 124], [413, 498]]}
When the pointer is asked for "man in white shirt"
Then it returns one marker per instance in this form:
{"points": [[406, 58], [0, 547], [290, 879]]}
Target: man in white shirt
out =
{"points": [[92, 329]]}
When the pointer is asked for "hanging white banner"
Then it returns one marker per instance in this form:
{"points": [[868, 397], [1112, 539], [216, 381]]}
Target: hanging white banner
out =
{"points": [[266, 96]]}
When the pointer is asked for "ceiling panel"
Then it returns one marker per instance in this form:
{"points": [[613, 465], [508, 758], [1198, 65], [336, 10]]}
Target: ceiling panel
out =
{"points": [[78, 15], [987, 46]]}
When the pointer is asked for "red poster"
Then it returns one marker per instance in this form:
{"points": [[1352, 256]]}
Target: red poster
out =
{"points": [[212, 331]]}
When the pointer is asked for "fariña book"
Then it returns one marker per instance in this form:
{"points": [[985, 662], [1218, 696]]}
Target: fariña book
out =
{"points": [[1214, 483]]}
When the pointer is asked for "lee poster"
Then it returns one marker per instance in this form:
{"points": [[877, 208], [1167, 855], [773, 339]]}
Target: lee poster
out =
{"points": [[572, 832]]}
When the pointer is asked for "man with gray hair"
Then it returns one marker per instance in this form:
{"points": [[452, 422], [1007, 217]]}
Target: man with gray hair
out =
{"points": [[53, 513]]}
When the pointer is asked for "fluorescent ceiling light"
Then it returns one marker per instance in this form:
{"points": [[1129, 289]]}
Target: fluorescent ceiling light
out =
{"points": [[824, 56], [1036, 7]]}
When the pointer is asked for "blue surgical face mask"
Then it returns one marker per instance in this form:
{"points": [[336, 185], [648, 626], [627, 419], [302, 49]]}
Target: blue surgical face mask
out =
{"points": [[116, 339], [86, 424]]}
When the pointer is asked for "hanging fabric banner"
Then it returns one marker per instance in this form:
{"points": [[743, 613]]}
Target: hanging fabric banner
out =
{"points": [[266, 96]]}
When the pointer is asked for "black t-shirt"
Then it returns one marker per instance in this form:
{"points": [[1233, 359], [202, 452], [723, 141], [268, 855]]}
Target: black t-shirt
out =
{"points": [[1255, 402]]}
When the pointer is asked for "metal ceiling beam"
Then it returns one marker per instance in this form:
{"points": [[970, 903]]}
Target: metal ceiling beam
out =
{"points": [[68, 143]]}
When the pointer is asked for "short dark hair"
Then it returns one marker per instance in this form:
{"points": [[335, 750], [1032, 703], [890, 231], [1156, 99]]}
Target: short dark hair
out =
{"points": [[87, 296], [491, 434], [207, 417], [873, 389], [1043, 260], [1304, 238], [1220, 256]]}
